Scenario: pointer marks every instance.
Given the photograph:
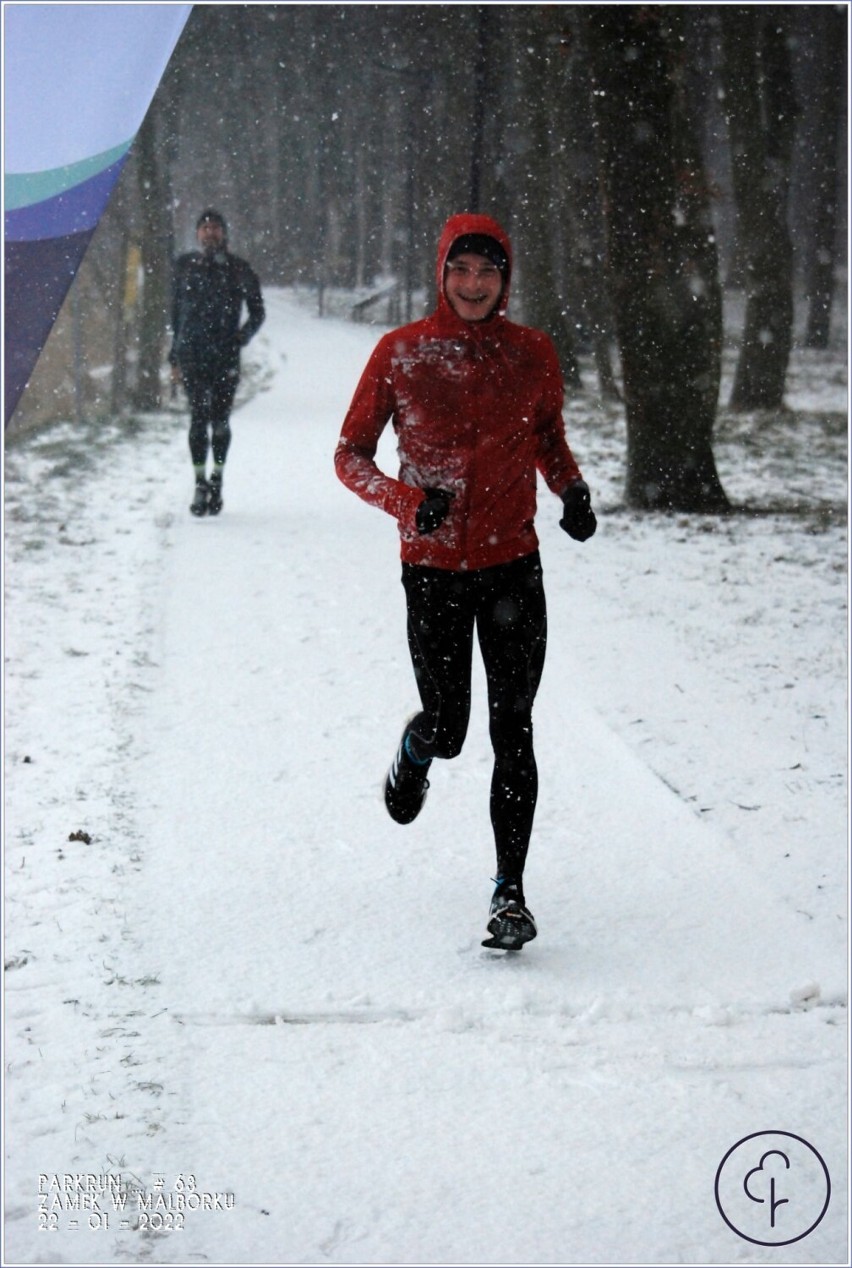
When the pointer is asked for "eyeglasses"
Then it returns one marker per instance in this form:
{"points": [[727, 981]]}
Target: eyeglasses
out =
{"points": [[463, 272]]}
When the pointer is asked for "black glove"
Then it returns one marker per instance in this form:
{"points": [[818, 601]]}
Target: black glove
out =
{"points": [[579, 519], [433, 510]]}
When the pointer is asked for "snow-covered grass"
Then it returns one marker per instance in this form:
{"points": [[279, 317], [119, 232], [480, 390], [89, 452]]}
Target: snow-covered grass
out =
{"points": [[224, 962]]}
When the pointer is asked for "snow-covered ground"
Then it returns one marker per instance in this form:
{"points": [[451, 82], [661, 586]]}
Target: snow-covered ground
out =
{"points": [[249, 1009]]}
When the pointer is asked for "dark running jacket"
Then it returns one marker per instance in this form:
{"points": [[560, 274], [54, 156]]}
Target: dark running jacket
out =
{"points": [[207, 297], [477, 410]]}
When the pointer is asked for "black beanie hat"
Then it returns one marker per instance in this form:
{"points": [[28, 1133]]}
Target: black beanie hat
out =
{"points": [[480, 244], [214, 217]]}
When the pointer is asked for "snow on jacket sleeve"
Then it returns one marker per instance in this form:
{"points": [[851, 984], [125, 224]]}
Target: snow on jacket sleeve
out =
{"points": [[354, 459], [554, 457]]}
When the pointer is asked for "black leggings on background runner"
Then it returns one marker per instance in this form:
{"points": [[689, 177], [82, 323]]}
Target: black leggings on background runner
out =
{"points": [[211, 398], [506, 606]]}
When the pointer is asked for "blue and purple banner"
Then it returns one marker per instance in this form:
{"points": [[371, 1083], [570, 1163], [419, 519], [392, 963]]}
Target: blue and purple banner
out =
{"points": [[78, 81]]}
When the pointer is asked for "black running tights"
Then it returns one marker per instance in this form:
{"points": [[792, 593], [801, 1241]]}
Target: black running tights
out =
{"points": [[211, 398], [506, 606]]}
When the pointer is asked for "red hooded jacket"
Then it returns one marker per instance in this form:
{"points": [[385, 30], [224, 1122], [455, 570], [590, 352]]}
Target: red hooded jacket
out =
{"points": [[477, 408]]}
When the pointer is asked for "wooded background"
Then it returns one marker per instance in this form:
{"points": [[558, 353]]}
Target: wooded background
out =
{"points": [[643, 158]]}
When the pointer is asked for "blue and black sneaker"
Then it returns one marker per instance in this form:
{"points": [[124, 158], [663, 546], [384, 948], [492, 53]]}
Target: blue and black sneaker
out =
{"points": [[406, 784], [510, 921]]}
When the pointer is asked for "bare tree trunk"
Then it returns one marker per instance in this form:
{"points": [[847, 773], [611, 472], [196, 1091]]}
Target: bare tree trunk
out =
{"points": [[760, 110], [154, 246], [537, 208], [824, 146], [584, 226], [118, 378], [662, 265], [477, 140]]}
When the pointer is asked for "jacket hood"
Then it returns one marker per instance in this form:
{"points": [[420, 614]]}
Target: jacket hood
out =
{"points": [[458, 227]]}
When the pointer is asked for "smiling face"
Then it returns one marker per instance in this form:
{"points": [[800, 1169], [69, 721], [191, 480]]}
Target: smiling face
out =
{"points": [[473, 286]]}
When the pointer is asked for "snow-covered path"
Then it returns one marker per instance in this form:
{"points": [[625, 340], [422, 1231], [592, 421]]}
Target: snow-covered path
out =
{"points": [[280, 992]]}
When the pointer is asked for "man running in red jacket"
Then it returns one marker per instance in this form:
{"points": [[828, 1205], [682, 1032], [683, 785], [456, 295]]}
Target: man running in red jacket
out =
{"points": [[476, 404]]}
